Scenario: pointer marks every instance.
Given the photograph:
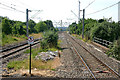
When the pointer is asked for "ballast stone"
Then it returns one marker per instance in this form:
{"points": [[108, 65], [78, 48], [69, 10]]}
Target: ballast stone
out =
{"points": [[45, 56]]}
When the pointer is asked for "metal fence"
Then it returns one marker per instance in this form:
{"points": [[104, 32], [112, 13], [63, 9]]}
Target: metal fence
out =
{"points": [[102, 41]]}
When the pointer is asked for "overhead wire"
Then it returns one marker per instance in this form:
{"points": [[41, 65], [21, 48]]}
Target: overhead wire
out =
{"points": [[89, 4], [26, 5], [5, 8], [103, 9], [12, 4], [11, 8], [74, 13]]}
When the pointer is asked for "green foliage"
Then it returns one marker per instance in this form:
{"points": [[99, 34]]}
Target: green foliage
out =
{"points": [[73, 28], [0, 32], [12, 28], [102, 28], [44, 44], [115, 50], [16, 64], [8, 39], [41, 26], [53, 69], [24, 64], [6, 27], [31, 25], [49, 24], [34, 51], [50, 39], [57, 29], [18, 28], [44, 25], [106, 30]]}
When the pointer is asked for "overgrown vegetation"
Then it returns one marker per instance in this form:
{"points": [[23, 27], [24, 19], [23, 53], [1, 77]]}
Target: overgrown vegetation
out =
{"points": [[115, 50], [17, 29], [24, 64], [103, 28], [52, 44], [50, 39], [0, 32]]}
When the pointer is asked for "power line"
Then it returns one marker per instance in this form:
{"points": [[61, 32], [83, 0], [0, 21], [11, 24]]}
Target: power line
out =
{"points": [[38, 11], [10, 4], [5, 8], [74, 13], [89, 4], [11, 8], [19, 5], [103, 9], [26, 5]]}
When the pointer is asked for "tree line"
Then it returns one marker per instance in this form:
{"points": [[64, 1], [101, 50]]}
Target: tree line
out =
{"points": [[103, 28], [19, 28]]}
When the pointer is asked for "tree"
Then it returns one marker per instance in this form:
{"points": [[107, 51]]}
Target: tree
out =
{"points": [[6, 27], [50, 39], [31, 25], [18, 28], [49, 24], [41, 26]]}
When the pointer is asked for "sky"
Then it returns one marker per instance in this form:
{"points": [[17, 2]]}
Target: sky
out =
{"points": [[57, 10]]}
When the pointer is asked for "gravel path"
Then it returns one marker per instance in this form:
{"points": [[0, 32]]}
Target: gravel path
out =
{"points": [[93, 64], [72, 67], [115, 64]]}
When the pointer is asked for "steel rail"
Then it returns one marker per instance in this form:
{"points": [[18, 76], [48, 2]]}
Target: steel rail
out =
{"points": [[83, 61], [11, 53], [19, 45], [116, 73]]}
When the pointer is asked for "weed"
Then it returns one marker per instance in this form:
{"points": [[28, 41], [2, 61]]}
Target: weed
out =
{"points": [[53, 69]]}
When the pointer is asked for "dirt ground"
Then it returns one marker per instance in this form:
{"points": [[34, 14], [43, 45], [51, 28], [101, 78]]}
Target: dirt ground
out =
{"points": [[37, 72]]}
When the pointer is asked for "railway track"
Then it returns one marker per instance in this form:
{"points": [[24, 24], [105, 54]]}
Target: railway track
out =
{"points": [[96, 67], [10, 51], [19, 45]]}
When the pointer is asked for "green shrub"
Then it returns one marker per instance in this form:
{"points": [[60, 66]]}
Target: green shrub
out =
{"points": [[115, 50], [50, 39], [43, 44]]}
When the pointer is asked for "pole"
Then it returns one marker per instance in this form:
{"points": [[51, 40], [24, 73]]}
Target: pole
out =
{"points": [[28, 36], [30, 62], [61, 23], [83, 23], [27, 22], [79, 13]]}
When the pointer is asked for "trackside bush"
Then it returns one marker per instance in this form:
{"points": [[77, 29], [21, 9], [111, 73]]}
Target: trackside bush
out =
{"points": [[115, 50], [50, 39]]}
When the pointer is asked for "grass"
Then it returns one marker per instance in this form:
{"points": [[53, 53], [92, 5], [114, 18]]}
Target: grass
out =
{"points": [[59, 41], [38, 35], [18, 64], [39, 64], [80, 37], [24, 64], [53, 69], [38, 50], [10, 39], [34, 52]]}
